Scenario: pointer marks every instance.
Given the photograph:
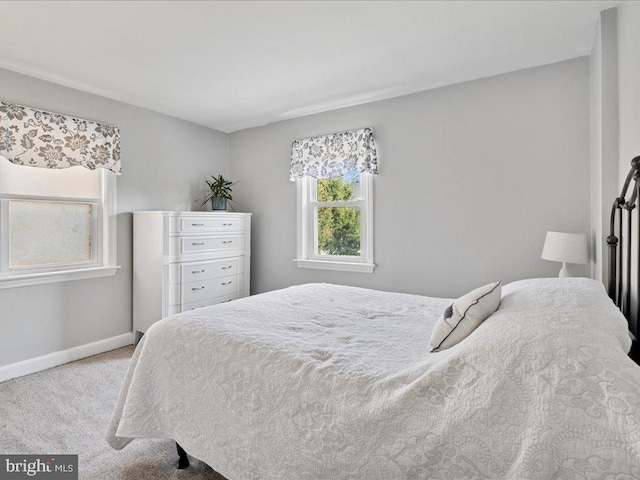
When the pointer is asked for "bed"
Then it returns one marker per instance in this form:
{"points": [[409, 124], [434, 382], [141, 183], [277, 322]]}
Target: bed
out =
{"points": [[331, 382]]}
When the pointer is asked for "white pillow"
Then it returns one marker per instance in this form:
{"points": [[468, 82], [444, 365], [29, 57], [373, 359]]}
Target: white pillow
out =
{"points": [[466, 314]]}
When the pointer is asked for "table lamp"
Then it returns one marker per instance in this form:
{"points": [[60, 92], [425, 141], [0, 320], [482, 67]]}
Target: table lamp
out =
{"points": [[568, 248]]}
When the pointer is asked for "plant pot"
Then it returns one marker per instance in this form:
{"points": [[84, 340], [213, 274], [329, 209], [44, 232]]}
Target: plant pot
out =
{"points": [[218, 203]]}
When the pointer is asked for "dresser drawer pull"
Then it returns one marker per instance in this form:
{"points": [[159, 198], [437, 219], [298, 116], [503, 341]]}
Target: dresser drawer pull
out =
{"points": [[227, 268], [227, 225], [226, 283], [195, 289], [198, 271], [197, 224], [227, 241], [197, 243]]}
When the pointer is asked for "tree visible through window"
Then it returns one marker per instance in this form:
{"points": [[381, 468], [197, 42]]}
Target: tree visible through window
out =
{"points": [[339, 227], [335, 223]]}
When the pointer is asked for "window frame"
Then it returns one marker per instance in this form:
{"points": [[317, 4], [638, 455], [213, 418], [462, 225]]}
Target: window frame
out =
{"points": [[307, 238], [103, 240]]}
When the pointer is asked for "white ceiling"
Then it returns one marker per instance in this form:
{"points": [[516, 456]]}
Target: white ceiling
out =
{"points": [[234, 65]]}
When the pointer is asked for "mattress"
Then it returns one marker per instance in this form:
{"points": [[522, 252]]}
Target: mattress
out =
{"points": [[330, 382]]}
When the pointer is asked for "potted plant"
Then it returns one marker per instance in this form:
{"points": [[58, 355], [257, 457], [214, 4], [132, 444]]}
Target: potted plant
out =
{"points": [[219, 192]]}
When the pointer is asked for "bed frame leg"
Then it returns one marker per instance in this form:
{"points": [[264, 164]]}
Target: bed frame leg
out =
{"points": [[183, 462]]}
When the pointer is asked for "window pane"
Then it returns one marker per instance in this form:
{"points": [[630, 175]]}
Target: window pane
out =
{"points": [[49, 233], [340, 189], [338, 231]]}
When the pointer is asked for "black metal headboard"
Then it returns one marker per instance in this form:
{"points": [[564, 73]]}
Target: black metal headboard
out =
{"points": [[621, 256]]}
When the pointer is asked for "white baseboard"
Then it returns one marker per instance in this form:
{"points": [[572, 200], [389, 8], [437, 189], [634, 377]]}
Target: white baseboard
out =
{"points": [[54, 359]]}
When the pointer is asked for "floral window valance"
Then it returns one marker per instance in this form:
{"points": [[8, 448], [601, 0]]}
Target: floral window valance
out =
{"points": [[330, 156], [50, 140]]}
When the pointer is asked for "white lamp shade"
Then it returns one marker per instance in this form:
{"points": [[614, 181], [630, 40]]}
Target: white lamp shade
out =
{"points": [[566, 247]]}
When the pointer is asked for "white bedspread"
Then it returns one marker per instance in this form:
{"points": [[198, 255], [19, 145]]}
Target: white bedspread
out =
{"points": [[327, 382]]}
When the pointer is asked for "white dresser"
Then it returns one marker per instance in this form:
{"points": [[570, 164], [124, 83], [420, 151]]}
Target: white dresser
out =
{"points": [[187, 260]]}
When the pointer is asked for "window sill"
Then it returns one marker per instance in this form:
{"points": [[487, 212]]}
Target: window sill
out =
{"points": [[339, 266], [29, 279]]}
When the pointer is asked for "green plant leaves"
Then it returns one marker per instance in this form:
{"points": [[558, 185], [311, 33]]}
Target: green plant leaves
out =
{"points": [[219, 187]]}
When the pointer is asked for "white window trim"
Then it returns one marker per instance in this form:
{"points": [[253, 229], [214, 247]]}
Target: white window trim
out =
{"points": [[106, 236], [307, 239]]}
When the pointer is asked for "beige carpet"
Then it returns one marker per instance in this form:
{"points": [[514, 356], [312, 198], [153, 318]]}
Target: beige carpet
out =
{"points": [[67, 409]]}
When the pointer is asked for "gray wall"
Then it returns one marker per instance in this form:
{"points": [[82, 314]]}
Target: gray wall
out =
{"points": [[628, 84], [164, 161], [603, 63], [629, 95], [471, 177]]}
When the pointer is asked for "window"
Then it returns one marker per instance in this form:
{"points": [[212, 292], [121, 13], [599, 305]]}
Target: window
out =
{"points": [[334, 177], [55, 224], [335, 223]]}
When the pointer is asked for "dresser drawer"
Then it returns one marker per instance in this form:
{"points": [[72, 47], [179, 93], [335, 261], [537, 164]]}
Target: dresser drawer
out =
{"points": [[185, 307], [195, 272], [188, 245], [196, 291], [200, 224]]}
